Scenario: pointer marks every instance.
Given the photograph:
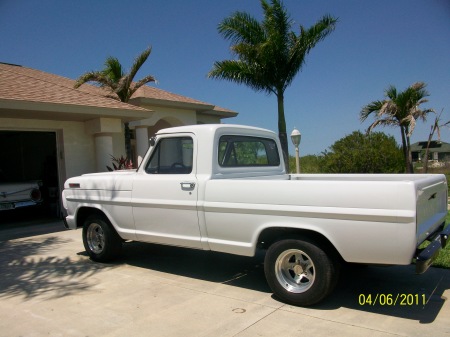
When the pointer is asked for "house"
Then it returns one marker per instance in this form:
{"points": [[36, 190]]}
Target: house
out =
{"points": [[50, 131], [438, 151]]}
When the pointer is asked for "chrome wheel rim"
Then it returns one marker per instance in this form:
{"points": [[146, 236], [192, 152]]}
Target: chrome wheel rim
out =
{"points": [[295, 271], [95, 238]]}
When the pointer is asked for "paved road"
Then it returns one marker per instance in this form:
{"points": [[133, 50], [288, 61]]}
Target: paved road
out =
{"points": [[49, 287]]}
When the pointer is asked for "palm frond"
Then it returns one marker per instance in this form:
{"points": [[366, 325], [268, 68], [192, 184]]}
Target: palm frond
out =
{"points": [[302, 44], [277, 23], [410, 123], [136, 85], [94, 76], [371, 108], [240, 73], [382, 122], [388, 108], [138, 62], [241, 28], [391, 92], [113, 69]]}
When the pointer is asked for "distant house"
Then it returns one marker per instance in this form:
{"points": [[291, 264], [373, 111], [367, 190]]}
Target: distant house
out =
{"points": [[50, 131], [438, 151]]}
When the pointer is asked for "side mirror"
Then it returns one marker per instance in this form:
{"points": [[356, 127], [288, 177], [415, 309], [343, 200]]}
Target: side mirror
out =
{"points": [[152, 141]]}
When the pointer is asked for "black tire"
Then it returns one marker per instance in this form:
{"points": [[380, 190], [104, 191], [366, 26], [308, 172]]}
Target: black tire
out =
{"points": [[100, 239], [300, 272]]}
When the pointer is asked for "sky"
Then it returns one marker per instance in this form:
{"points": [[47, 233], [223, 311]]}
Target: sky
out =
{"points": [[375, 44]]}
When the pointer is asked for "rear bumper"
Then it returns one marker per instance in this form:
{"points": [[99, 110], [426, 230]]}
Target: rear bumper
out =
{"points": [[4, 206], [425, 257]]}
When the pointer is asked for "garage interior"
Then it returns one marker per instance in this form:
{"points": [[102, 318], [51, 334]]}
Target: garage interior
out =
{"points": [[31, 156]]}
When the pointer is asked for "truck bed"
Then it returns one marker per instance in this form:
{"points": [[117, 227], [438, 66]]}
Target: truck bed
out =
{"points": [[353, 212]]}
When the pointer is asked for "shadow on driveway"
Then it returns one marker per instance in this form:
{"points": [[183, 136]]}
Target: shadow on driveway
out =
{"points": [[392, 291], [239, 271], [29, 269], [49, 266], [420, 297]]}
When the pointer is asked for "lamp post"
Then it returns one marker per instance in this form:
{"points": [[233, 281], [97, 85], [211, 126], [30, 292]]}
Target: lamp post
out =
{"points": [[296, 137]]}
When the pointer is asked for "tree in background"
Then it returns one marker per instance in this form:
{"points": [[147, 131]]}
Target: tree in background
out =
{"points": [[269, 53], [120, 83], [310, 164], [363, 153], [435, 127], [400, 109]]}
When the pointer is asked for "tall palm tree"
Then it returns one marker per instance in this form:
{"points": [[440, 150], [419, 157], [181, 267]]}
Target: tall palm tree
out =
{"points": [[269, 53], [120, 83], [400, 109]]}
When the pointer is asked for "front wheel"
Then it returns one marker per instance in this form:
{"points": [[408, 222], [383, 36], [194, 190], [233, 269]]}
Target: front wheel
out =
{"points": [[100, 240], [299, 272]]}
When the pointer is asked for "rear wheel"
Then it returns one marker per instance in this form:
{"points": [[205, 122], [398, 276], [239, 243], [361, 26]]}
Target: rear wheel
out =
{"points": [[300, 272], [100, 240]]}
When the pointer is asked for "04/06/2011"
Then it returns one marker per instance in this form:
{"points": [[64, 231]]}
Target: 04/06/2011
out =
{"points": [[392, 299]]}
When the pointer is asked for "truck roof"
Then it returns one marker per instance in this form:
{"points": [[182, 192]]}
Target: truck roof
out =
{"points": [[208, 137], [212, 128]]}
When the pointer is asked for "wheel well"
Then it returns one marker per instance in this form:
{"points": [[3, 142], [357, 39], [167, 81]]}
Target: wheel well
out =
{"points": [[84, 212], [270, 235]]}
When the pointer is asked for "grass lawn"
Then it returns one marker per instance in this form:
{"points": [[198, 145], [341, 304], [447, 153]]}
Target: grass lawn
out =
{"points": [[443, 260]]}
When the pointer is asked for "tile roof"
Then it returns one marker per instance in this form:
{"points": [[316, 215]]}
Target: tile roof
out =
{"points": [[31, 85], [158, 94], [167, 98], [18, 83]]}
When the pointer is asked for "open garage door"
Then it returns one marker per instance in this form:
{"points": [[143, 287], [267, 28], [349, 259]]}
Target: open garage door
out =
{"points": [[30, 156]]}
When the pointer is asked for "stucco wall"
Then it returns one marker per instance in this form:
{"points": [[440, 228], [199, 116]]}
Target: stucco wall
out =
{"points": [[207, 119]]}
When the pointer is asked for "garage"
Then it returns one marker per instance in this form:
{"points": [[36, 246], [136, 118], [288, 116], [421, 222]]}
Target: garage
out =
{"points": [[31, 156]]}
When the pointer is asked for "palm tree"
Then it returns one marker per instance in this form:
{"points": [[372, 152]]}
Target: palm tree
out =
{"points": [[120, 83], [400, 109], [269, 53]]}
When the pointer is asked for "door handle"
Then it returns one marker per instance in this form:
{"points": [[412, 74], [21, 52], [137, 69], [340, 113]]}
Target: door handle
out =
{"points": [[187, 185]]}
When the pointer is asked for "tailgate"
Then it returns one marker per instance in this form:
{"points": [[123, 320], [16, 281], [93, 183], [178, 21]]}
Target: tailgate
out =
{"points": [[431, 206]]}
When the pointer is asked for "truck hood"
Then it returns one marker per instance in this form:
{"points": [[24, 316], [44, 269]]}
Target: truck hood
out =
{"points": [[108, 181]]}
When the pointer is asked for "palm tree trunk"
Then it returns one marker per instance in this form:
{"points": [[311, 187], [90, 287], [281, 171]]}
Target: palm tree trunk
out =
{"points": [[408, 152], [404, 148], [282, 129], [128, 141]]}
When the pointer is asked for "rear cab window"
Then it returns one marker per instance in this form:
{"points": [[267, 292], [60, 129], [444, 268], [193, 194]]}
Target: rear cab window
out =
{"points": [[247, 151]]}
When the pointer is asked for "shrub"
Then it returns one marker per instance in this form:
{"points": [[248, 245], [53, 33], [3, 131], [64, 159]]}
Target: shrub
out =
{"points": [[363, 153]]}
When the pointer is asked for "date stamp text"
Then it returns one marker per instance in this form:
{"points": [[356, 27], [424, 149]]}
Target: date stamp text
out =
{"points": [[392, 299]]}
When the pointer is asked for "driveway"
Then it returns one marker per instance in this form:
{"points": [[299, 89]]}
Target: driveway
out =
{"points": [[49, 287]]}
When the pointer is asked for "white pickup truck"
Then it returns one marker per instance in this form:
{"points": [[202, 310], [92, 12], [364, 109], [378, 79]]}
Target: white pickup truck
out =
{"points": [[225, 188]]}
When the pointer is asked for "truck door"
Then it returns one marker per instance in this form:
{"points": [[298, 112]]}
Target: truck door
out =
{"points": [[165, 194]]}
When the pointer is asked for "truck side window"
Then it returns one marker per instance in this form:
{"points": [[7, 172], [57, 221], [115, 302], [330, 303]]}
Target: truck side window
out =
{"points": [[235, 151], [172, 156]]}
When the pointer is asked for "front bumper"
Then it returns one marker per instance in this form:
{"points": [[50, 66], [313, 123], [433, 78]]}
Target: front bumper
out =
{"points": [[425, 257], [69, 222]]}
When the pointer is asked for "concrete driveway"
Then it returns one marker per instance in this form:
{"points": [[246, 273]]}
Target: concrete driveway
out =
{"points": [[49, 287]]}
